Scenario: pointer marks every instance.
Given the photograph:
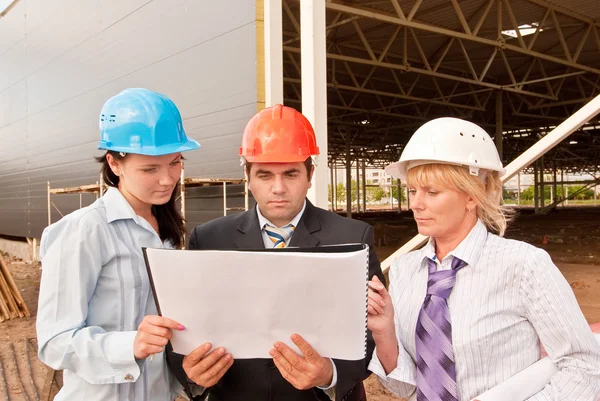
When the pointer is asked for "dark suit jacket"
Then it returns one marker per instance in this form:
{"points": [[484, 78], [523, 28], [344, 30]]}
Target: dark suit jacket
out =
{"points": [[259, 379]]}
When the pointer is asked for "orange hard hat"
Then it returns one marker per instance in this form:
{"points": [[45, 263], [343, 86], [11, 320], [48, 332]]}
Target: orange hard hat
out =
{"points": [[278, 134]]}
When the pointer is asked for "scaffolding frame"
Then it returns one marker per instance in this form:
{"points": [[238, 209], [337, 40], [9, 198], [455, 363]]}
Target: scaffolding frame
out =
{"points": [[197, 182], [190, 182]]}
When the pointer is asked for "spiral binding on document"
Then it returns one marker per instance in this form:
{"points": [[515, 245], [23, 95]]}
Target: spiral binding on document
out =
{"points": [[367, 300]]}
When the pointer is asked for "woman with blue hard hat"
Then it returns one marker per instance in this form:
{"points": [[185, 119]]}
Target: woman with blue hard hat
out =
{"points": [[97, 319]]}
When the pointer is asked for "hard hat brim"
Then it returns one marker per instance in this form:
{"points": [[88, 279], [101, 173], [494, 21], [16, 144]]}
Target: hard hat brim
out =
{"points": [[400, 168], [191, 144], [276, 159]]}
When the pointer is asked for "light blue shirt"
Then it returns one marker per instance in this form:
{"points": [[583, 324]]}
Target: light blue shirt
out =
{"points": [[262, 221], [94, 293]]}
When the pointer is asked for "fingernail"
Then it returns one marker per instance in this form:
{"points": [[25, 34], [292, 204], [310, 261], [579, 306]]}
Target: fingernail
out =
{"points": [[382, 303], [380, 287], [272, 352], [277, 345], [207, 346], [227, 357], [180, 327], [221, 351], [295, 337]]}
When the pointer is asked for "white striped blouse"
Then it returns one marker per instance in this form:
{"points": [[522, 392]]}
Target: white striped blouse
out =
{"points": [[508, 299], [94, 293]]}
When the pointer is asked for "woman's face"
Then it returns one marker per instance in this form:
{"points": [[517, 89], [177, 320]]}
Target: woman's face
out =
{"points": [[147, 180], [441, 212]]}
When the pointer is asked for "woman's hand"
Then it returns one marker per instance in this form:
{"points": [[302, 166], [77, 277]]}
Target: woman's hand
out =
{"points": [[380, 308], [153, 334]]}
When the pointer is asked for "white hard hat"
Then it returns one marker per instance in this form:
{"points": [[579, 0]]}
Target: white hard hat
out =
{"points": [[448, 140]]}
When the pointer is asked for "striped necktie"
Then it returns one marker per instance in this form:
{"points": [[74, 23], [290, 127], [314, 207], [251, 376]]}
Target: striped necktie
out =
{"points": [[436, 371], [279, 236]]}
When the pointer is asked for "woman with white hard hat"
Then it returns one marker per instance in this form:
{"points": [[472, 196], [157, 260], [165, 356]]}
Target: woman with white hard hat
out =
{"points": [[469, 310], [97, 319]]}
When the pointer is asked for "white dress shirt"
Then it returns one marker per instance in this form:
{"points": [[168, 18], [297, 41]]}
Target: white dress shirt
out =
{"points": [[94, 293], [508, 299]]}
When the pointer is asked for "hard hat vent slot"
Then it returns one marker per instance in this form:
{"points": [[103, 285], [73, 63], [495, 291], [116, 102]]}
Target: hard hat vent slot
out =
{"points": [[110, 118]]}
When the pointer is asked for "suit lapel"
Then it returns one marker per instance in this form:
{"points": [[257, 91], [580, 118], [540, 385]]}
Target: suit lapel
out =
{"points": [[307, 226], [250, 232]]}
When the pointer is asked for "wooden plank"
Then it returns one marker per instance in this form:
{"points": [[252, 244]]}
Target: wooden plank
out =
{"points": [[30, 371], [4, 314], [16, 368], [22, 309], [192, 181], [7, 296], [3, 381], [47, 390], [92, 188], [11, 292]]}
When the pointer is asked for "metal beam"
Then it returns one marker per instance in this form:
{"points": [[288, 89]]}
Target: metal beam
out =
{"points": [[533, 81], [562, 10], [391, 94], [314, 87], [499, 138], [378, 16], [273, 27], [409, 68], [557, 104]]}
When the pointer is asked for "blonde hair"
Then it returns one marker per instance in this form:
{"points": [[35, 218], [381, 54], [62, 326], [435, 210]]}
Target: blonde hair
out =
{"points": [[486, 193]]}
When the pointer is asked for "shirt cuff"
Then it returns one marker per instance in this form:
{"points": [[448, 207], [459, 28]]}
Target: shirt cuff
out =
{"points": [[119, 354], [195, 390], [333, 380], [405, 370]]}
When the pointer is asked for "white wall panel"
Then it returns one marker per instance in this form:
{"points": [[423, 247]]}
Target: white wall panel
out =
{"points": [[61, 59]]}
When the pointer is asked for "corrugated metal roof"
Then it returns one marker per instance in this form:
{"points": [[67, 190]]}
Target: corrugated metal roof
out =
{"points": [[582, 8]]}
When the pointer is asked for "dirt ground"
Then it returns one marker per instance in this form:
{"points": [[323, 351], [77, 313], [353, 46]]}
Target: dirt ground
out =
{"points": [[571, 236], [18, 332]]}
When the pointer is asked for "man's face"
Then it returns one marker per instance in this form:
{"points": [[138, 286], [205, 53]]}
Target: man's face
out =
{"points": [[279, 189]]}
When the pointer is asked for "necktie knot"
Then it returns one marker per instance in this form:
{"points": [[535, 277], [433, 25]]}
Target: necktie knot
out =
{"points": [[279, 235], [442, 282]]}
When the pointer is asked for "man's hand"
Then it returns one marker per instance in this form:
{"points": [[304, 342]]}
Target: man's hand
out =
{"points": [[303, 372], [206, 369]]}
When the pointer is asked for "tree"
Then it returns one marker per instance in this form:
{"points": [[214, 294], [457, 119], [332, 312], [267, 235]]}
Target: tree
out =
{"points": [[586, 194], [340, 193], [507, 194], [528, 193], [395, 193], [354, 190], [375, 194]]}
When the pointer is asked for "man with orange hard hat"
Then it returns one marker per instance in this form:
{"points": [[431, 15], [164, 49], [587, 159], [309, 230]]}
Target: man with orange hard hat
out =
{"points": [[278, 146]]}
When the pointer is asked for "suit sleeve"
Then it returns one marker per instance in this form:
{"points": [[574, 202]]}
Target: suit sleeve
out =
{"points": [[351, 373], [174, 360], [193, 241]]}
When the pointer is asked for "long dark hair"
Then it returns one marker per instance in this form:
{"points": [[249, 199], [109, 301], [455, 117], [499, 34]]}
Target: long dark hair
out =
{"points": [[171, 225]]}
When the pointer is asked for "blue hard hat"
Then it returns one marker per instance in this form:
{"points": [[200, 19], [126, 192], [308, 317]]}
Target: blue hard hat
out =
{"points": [[143, 122]]}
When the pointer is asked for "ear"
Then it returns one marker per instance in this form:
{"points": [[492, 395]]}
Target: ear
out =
{"points": [[471, 204], [310, 175], [113, 164]]}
